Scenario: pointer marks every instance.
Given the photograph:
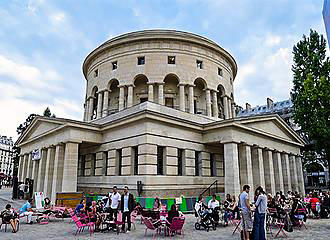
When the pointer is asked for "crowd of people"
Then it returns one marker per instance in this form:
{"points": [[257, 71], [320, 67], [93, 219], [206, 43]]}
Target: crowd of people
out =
{"points": [[252, 215]]}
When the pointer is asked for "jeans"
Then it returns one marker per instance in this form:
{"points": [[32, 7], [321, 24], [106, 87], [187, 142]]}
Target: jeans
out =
{"points": [[113, 214], [259, 226], [226, 216], [127, 215], [28, 214]]}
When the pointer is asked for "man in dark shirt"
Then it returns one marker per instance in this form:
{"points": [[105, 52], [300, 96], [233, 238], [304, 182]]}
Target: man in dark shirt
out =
{"points": [[127, 206]]}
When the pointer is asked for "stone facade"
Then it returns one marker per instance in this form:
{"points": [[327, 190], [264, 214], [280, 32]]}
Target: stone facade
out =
{"points": [[170, 126]]}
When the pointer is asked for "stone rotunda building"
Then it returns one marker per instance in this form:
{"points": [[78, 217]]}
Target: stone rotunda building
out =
{"points": [[159, 109]]}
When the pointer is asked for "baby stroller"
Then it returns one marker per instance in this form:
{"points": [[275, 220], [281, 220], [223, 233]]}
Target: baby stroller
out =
{"points": [[205, 220]]}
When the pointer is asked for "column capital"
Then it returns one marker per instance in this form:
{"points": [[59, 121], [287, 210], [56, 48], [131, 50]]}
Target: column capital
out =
{"points": [[104, 90], [181, 84], [160, 83], [191, 85], [269, 149], [72, 141], [151, 83], [122, 86], [230, 141], [246, 144], [130, 85]]}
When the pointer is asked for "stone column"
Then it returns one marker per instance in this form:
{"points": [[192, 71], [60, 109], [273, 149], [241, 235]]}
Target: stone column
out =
{"points": [[182, 98], [246, 173], [258, 167], [269, 171], [293, 173], [161, 93], [233, 113], [58, 171], [147, 159], [121, 97], [29, 170], [229, 108], [105, 103], [130, 96], [232, 184], [41, 170], [191, 98], [90, 108], [150, 92], [99, 105], [300, 173], [87, 110], [48, 182], [279, 186], [225, 107], [20, 167], [286, 172], [25, 166], [208, 102], [70, 171], [215, 104], [34, 176]]}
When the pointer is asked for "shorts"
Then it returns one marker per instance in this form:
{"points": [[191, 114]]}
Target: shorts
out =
{"points": [[247, 223]]}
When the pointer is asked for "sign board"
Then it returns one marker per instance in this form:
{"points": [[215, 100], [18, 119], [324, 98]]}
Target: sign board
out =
{"points": [[178, 200], [36, 154], [39, 199]]}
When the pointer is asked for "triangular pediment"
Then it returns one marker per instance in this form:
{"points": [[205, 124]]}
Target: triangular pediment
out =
{"points": [[272, 125], [39, 127]]}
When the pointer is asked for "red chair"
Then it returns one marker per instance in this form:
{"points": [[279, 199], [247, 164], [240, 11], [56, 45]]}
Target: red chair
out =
{"points": [[151, 226], [81, 226], [133, 218], [119, 222], [177, 226]]}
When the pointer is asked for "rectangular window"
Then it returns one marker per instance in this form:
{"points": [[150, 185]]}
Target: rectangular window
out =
{"points": [[93, 164], [105, 163], [82, 166], [120, 160], [141, 60], [160, 160], [220, 73], [171, 59], [96, 73], [136, 160], [180, 162], [212, 165], [114, 65], [199, 64], [197, 154]]}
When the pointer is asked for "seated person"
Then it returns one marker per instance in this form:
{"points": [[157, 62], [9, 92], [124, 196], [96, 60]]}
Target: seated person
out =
{"points": [[172, 214], [234, 208], [9, 215], [157, 205], [26, 210], [47, 206], [294, 215], [214, 205], [94, 215], [200, 207], [80, 208]]}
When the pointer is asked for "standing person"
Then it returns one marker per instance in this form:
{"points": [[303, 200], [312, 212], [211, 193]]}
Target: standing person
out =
{"points": [[246, 212], [127, 206], [21, 188], [260, 215], [114, 198]]}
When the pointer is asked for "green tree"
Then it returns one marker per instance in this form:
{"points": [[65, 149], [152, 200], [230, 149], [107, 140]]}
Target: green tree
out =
{"points": [[23, 126], [311, 92], [48, 113]]}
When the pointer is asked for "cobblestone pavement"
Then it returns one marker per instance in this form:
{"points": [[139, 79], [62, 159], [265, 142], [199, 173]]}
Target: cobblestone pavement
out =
{"points": [[58, 229]]}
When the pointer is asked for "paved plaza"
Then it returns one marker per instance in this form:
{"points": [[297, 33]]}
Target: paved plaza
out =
{"points": [[58, 229]]}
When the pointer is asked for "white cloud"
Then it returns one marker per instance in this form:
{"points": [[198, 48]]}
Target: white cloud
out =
{"points": [[272, 40], [57, 18]]}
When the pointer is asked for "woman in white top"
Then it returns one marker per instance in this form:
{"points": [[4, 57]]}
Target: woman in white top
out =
{"points": [[259, 225]]}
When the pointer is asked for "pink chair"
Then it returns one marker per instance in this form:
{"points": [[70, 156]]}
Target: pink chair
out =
{"points": [[81, 226], [133, 218], [151, 226], [119, 222], [177, 226]]}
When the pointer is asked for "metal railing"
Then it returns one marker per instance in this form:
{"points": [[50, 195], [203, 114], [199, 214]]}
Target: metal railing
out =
{"points": [[209, 188]]}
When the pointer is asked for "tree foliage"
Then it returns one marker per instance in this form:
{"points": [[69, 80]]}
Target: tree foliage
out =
{"points": [[23, 126], [311, 91]]}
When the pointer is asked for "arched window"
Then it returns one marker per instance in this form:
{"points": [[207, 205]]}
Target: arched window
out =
{"points": [[140, 91], [171, 91], [200, 96]]}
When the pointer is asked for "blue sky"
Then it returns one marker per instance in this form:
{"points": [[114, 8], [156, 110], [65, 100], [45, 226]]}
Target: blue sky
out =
{"points": [[44, 42]]}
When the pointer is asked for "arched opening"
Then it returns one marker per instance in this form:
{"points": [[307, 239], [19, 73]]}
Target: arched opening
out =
{"points": [[113, 100], [171, 91], [315, 175], [220, 95], [140, 91], [94, 95], [200, 96]]}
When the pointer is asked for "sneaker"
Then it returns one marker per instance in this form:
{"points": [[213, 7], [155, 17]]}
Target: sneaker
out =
{"points": [[30, 222], [128, 231]]}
